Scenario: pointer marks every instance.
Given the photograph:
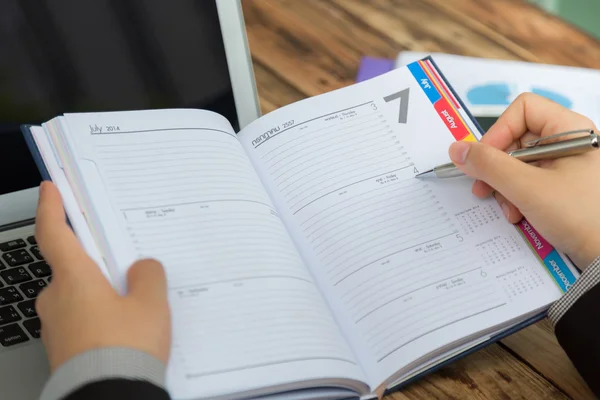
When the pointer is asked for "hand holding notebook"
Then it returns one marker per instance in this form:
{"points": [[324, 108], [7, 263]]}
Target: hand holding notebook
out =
{"points": [[101, 320], [302, 254], [557, 197]]}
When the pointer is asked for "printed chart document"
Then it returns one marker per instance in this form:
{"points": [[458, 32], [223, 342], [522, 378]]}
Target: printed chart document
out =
{"points": [[303, 257]]}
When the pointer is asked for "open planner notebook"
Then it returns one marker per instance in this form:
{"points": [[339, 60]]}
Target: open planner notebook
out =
{"points": [[304, 259]]}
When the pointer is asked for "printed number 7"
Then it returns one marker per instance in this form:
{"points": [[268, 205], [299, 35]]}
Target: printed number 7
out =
{"points": [[403, 95]]}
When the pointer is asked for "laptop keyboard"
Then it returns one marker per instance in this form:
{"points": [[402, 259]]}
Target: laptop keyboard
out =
{"points": [[23, 275]]}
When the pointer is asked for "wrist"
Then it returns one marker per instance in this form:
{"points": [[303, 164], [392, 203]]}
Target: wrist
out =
{"points": [[583, 250], [104, 363], [586, 256]]}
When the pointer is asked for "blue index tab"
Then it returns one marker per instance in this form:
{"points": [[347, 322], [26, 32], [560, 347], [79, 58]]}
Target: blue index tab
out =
{"points": [[424, 81], [559, 270]]}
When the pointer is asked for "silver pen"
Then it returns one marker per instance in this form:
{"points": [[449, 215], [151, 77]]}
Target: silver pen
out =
{"points": [[532, 152]]}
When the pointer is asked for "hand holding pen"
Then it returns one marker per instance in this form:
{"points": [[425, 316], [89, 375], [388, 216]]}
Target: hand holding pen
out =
{"points": [[558, 196], [534, 151]]}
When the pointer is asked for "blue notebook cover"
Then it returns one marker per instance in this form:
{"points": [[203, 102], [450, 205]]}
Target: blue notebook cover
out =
{"points": [[35, 152]]}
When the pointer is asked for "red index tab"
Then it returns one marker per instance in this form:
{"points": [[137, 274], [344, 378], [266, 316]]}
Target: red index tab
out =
{"points": [[452, 121]]}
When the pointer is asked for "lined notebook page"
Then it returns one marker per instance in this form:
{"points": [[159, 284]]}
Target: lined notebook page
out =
{"points": [[395, 255], [177, 186]]}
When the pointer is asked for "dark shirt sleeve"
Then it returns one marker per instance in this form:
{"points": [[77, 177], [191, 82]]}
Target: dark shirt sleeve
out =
{"points": [[119, 389], [578, 334], [576, 320]]}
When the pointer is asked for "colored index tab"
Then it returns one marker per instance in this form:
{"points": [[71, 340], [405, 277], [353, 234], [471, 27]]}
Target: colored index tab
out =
{"points": [[537, 242], [424, 81], [442, 83], [559, 271], [451, 119]]}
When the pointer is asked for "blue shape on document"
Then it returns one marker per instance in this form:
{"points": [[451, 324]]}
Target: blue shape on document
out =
{"points": [[500, 94], [491, 94]]}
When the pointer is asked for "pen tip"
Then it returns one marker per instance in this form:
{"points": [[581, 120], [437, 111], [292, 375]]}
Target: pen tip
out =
{"points": [[424, 174]]}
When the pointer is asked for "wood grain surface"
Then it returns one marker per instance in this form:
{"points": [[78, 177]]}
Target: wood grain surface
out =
{"points": [[302, 48]]}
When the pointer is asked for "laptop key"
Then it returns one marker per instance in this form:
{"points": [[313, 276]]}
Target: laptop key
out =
{"points": [[40, 269], [27, 307], [8, 314], [17, 257], [33, 326], [13, 245], [36, 252], [31, 240], [15, 275], [9, 295], [11, 335], [33, 288]]}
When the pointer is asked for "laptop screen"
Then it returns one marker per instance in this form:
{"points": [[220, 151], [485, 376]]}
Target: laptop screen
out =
{"points": [[60, 56]]}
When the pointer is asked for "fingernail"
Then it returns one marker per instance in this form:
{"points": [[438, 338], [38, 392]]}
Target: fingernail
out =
{"points": [[506, 210], [458, 152]]}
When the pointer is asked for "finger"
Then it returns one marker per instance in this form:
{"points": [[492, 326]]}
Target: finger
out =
{"points": [[499, 170], [530, 112], [146, 281], [511, 213], [526, 138], [42, 303], [56, 240], [482, 189], [515, 145]]}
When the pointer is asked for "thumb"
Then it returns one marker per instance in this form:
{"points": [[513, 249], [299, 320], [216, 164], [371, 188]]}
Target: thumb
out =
{"points": [[56, 240], [509, 176], [146, 282]]}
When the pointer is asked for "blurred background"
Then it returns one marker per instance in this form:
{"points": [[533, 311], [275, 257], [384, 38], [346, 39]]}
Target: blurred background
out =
{"points": [[583, 13]]}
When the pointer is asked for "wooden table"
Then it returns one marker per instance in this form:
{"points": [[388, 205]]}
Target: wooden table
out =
{"points": [[303, 48]]}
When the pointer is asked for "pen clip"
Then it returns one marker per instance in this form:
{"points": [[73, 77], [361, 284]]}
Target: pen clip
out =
{"points": [[536, 142]]}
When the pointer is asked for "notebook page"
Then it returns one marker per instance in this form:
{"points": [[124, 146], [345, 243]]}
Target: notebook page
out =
{"points": [[176, 185], [408, 265]]}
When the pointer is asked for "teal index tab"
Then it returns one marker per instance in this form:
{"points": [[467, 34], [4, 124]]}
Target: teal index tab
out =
{"points": [[559, 271], [424, 81]]}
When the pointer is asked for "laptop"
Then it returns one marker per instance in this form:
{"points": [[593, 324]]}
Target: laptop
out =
{"points": [[59, 56]]}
